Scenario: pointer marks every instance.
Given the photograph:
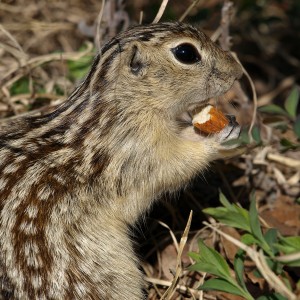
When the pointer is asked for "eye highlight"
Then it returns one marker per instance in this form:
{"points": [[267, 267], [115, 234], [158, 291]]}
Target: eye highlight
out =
{"points": [[186, 53]]}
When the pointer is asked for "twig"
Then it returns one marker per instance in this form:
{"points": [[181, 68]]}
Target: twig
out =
{"points": [[141, 17], [7, 99], [15, 42], [16, 73], [179, 287], [285, 84], [254, 98], [172, 288], [150, 279], [57, 101], [97, 40], [287, 161], [223, 31], [214, 37], [160, 11], [183, 16], [171, 233], [288, 258], [40, 26], [227, 12]]}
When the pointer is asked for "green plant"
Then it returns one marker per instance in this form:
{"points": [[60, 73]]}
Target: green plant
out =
{"points": [[288, 112], [79, 68], [268, 247]]}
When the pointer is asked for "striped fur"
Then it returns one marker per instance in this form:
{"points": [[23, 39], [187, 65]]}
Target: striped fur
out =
{"points": [[72, 181]]}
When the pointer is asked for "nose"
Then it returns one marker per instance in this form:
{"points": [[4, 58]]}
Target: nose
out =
{"points": [[235, 67], [232, 120]]}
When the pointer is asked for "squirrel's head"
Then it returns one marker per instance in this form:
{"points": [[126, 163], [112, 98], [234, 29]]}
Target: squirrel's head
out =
{"points": [[164, 67]]}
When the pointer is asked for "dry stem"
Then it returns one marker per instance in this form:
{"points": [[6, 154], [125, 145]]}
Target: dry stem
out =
{"points": [[160, 11]]}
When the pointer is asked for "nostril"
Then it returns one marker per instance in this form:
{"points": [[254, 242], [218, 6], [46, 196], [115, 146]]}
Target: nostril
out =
{"points": [[232, 120]]}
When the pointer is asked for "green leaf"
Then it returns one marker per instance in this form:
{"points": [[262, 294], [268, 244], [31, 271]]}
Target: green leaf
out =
{"points": [[256, 228], [257, 274], [273, 109], [212, 256], [249, 239], [239, 268], [224, 201], [293, 242], [291, 102], [194, 256], [256, 134], [233, 142], [210, 261], [284, 248], [231, 214], [274, 296], [292, 263], [79, 68], [289, 245], [208, 268], [243, 212], [254, 221], [224, 286], [297, 127], [230, 218], [286, 280], [244, 137], [271, 237], [274, 265], [20, 87], [288, 145]]}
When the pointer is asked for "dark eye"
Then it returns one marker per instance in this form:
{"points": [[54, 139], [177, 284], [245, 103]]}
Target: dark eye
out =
{"points": [[186, 53]]}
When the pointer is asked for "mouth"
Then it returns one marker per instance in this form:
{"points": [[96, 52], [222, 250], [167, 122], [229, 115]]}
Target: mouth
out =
{"points": [[202, 120], [186, 118]]}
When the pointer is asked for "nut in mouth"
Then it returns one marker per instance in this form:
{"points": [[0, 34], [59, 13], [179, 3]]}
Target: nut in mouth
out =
{"points": [[210, 120], [206, 120]]}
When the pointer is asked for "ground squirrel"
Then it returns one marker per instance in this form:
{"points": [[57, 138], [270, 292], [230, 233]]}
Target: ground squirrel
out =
{"points": [[73, 180]]}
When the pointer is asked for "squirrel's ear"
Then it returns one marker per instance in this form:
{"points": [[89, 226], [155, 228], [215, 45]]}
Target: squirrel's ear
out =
{"points": [[137, 62]]}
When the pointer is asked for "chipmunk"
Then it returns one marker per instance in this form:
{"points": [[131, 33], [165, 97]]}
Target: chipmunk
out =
{"points": [[72, 181]]}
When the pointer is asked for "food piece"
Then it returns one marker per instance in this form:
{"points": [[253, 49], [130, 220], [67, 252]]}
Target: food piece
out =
{"points": [[210, 120]]}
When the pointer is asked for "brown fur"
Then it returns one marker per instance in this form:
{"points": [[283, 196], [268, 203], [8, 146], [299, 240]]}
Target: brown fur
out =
{"points": [[72, 181]]}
